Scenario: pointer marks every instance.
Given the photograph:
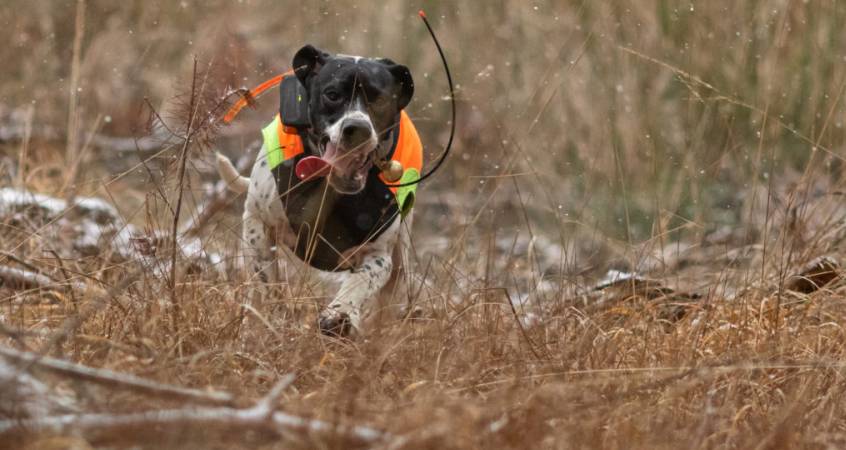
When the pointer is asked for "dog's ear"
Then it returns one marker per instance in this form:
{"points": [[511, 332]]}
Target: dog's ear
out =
{"points": [[404, 82], [307, 62]]}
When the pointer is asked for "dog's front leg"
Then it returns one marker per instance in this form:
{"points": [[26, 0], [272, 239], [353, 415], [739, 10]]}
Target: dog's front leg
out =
{"points": [[344, 314], [349, 307]]}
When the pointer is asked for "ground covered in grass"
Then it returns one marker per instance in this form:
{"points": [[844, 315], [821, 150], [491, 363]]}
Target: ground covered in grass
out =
{"points": [[717, 346]]}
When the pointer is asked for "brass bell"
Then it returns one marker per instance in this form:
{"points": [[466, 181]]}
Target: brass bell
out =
{"points": [[392, 171]]}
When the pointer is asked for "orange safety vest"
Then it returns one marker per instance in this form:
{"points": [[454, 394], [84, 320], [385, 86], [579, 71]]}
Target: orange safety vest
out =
{"points": [[283, 143]]}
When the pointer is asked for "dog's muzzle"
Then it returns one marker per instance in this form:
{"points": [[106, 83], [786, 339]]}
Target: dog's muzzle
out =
{"points": [[355, 133]]}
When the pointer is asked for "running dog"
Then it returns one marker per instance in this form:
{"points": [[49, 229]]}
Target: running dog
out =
{"points": [[334, 180]]}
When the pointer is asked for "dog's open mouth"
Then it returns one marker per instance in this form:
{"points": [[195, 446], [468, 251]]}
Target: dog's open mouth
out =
{"points": [[352, 166]]}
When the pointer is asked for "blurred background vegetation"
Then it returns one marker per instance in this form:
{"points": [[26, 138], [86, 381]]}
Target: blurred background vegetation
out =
{"points": [[630, 118]]}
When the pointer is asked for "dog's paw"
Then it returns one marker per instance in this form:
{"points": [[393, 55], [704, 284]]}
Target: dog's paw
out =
{"points": [[335, 323]]}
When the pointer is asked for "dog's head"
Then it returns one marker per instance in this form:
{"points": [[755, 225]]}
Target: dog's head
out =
{"points": [[354, 103]]}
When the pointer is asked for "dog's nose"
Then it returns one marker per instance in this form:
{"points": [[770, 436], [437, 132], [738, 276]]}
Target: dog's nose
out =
{"points": [[355, 132]]}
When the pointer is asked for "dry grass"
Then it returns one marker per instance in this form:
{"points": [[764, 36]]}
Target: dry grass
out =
{"points": [[698, 143]]}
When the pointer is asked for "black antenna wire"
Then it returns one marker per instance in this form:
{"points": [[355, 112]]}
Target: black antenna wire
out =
{"points": [[452, 101]]}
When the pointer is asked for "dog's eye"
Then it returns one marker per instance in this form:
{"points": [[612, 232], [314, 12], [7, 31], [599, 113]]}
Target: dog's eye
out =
{"points": [[332, 96]]}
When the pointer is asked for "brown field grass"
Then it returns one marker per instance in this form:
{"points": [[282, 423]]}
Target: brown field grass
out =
{"points": [[698, 144]]}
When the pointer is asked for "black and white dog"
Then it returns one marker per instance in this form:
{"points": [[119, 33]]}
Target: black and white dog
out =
{"points": [[347, 112]]}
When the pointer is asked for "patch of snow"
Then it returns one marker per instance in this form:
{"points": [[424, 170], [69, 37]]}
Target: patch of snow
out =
{"points": [[613, 277], [12, 200]]}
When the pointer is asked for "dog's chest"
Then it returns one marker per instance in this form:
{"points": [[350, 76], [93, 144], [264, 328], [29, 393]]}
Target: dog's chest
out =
{"points": [[327, 224]]}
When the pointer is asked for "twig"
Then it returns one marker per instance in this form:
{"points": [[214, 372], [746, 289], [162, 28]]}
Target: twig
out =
{"points": [[186, 144], [114, 379]]}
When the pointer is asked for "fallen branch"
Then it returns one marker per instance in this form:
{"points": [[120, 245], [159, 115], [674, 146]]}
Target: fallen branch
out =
{"points": [[114, 379], [24, 396], [20, 279], [260, 418]]}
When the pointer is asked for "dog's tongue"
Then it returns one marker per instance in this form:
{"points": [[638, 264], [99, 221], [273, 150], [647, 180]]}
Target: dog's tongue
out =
{"points": [[312, 167]]}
